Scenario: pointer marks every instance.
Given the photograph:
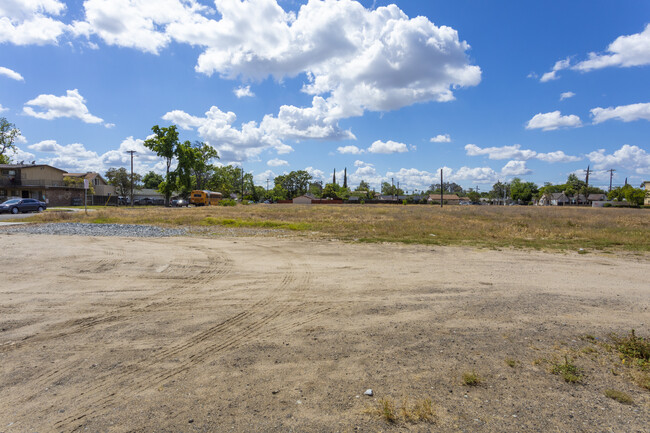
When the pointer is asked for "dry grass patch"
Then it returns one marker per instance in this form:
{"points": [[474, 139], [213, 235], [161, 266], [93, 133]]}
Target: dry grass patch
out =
{"points": [[619, 396], [419, 411], [471, 378], [484, 226]]}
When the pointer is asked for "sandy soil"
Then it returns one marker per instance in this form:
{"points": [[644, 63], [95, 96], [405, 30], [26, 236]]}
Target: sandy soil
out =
{"points": [[245, 334]]}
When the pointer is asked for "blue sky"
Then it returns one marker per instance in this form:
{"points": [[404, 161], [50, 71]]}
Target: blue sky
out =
{"points": [[485, 91]]}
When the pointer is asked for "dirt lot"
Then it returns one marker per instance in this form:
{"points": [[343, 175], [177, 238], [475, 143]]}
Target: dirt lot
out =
{"points": [[265, 334]]}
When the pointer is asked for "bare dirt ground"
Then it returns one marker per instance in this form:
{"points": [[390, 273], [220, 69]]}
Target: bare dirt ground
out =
{"points": [[264, 334]]}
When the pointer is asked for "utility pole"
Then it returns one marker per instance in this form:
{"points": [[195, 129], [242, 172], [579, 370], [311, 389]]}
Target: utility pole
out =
{"points": [[611, 175], [242, 182], [267, 185], [392, 188], [131, 152], [441, 191], [586, 186]]}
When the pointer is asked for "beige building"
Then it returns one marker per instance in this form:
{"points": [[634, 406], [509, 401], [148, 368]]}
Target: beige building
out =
{"points": [[29, 180], [646, 186], [99, 184]]}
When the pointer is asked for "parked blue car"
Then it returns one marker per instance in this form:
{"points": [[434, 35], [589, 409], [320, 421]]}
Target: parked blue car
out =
{"points": [[16, 205]]}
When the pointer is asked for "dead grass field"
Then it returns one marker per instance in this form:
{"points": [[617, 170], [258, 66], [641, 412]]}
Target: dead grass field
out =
{"points": [[556, 228], [267, 334]]}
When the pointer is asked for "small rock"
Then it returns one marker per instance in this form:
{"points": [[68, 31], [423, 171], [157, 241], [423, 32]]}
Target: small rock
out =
{"points": [[190, 421], [368, 392], [275, 391]]}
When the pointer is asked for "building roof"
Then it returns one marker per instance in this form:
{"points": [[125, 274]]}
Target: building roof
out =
{"points": [[597, 197], [89, 175], [9, 166], [444, 197]]}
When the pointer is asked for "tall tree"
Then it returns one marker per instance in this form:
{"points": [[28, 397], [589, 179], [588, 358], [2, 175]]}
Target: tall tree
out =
{"points": [[8, 135], [295, 183], [363, 186], [334, 177], [121, 180], [202, 169], [345, 178], [522, 191], [165, 143], [152, 180]]}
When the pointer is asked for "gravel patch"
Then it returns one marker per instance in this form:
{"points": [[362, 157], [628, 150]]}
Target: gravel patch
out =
{"points": [[82, 229]]}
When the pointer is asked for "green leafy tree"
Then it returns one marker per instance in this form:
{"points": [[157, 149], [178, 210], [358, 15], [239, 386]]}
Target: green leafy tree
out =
{"points": [[202, 168], [363, 186], [165, 143], [121, 180], [331, 190], [152, 180], [633, 196], [295, 183], [78, 182], [316, 189], [8, 135], [474, 196], [388, 189], [522, 191], [499, 190], [228, 180]]}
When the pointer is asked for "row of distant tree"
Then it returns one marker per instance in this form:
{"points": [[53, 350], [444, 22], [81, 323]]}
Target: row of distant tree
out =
{"points": [[195, 169]]}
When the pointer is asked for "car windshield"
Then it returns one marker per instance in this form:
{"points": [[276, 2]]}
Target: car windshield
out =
{"points": [[12, 201]]}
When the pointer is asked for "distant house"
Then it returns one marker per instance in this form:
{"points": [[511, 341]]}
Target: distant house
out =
{"points": [[554, 199], [38, 181], [303, 199], [646, 186], [99, 184], [597, 197], [446, 198]]}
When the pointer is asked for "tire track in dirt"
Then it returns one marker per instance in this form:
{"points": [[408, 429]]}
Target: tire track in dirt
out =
{"points": [[281, 311], [126, 311], [188, 277]]}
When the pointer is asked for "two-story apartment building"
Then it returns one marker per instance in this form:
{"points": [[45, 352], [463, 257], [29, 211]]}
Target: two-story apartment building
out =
{"points": [[38, 181]]}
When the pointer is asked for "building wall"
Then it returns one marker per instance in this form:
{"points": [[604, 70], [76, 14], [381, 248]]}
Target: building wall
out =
{"points": [[302, 200], [63, 196], [646, 200], [41, 175], [103, 189]]}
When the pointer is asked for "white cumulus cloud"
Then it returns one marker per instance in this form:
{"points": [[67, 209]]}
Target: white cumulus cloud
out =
{"points": [[515, 152], [557, 156], [243, 92], [566, 95], [275, 162], [26, 22], [71, 105], [515, 168], [627, 157], [626, 113], [625, 51], [441, 138], [553, 120], [503, 152], [387, 147], [559, 65], [351, 150], [11, 74]]}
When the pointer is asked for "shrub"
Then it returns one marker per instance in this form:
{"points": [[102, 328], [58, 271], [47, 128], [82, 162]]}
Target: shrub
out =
{"points": [[471, 379], [607, 205], [569, 371], [619, 396], [227, 202]]}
